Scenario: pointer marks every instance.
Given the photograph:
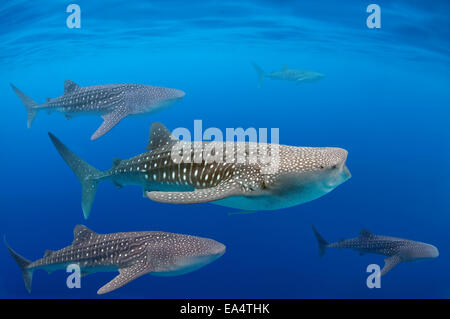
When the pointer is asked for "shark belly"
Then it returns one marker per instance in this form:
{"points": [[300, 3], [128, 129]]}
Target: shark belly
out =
{"points": [[273, 200], [186, 266]]}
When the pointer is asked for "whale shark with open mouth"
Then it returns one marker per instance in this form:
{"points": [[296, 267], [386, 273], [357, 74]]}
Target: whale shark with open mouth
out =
{"points": [[248, 176]]}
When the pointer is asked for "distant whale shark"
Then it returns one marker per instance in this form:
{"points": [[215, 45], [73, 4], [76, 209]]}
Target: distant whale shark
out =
{"points": [[301, 174], [113, 102], [133, 254], [395, 249], [287, 74]]}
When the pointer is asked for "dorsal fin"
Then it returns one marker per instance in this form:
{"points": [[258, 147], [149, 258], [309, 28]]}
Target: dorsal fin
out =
{"points": [[70, 86], [116, 161], [81, 234], [159, 136], [284, 67], [48, 252], [365, 233]]}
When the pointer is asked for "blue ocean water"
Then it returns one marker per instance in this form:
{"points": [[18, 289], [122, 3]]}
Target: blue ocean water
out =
{"points": [[385, 99]]}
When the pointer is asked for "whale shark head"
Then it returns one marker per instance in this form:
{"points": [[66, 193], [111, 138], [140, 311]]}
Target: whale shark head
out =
{"points": [[319, 75], [165, 96], [306, 173], [311, 76], [330, 168], [146, 98], [418, 251], [193, 253]]}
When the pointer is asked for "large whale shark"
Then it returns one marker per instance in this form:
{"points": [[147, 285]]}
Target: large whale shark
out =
{"points": [[113, 102], [133, 254], [287, 74], [293, 176], [395, 249]]}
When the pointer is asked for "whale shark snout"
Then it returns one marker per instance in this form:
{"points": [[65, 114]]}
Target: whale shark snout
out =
{"points": [[434, 252], [173, 96], [336, 155], [171, 93], [347, 175], [214, 248], [341, 157], [429, 251], [320, 75], [178, 94], [333, 170]]}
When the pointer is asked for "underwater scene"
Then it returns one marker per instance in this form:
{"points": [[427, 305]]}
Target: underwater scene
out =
{"points": [[225, 149]]}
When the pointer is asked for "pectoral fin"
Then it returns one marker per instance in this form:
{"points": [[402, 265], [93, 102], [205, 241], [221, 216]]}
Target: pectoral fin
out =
{"points": [[390, 263], [197, 196], [110, 120], [125, 276]]}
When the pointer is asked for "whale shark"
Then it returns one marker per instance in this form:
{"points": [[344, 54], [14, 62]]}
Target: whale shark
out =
{"points": [[395, 249], [287, 74], [133, 254], [224, 173], [113, 102]]}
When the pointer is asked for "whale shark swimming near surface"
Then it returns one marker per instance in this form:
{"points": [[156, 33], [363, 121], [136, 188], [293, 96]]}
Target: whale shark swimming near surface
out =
{"points": [[230, 174], [395, 249], [287, 74], [113, 102], [133, 254]]}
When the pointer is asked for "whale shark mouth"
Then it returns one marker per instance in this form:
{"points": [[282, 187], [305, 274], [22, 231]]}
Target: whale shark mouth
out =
{"points": [[343, 176], [346, 172]]}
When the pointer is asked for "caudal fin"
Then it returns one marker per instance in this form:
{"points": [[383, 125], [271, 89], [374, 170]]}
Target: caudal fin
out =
{"points": [[87, 174], [321, 241], [23, 263], [30, 105], [260, 73]]}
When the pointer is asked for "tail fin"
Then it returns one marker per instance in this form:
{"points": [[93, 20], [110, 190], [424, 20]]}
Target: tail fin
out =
{"points": [[321, 241], [30, 105], [87, 174], [23, 263], [260, 73]]}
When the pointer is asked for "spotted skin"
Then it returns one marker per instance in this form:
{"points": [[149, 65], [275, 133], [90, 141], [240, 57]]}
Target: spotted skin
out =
{"points": [[395, 249], [113, 102], [231, 174], [133, 254]]}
